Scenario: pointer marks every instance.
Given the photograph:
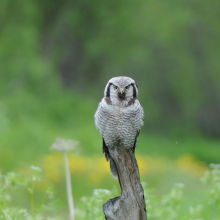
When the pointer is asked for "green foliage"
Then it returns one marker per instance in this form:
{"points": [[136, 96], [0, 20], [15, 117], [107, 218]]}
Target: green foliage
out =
{"points": [[13, 185], [170, 206], [30, 123], [21, 62], [92, 206], [170, 48]]}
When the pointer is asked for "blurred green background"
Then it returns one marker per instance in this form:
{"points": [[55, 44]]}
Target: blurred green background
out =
{"points": [[57, 56]]}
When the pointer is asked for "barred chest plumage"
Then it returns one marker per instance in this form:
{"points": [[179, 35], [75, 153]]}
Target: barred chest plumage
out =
{"points": [[119, 124]]}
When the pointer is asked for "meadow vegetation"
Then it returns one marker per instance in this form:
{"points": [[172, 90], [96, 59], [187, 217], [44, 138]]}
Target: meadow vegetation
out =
{"points": [[56, 58], [169, 206], [31, 125]]}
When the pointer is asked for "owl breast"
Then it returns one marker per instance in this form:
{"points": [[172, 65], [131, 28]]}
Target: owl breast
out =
{"points": [[117, 125]]}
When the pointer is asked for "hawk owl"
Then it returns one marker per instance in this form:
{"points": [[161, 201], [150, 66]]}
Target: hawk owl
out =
{"points": [[119, 116]]}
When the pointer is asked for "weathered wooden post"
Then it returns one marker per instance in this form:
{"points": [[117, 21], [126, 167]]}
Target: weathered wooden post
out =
{"points": [[131, 204], [119, 120]]}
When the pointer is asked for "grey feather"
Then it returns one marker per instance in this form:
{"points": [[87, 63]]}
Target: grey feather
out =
{"points": [[119, 116]]}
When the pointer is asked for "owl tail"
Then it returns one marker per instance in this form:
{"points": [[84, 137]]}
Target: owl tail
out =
{"points": [[113, 168]]}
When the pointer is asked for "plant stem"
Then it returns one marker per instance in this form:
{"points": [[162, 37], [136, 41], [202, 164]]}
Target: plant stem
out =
{"points": [[32, 202], [69, 187]]}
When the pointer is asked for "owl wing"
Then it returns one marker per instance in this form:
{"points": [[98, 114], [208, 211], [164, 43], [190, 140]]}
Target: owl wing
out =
{"points": [[135, 140], [105, 150], [113, 168]]}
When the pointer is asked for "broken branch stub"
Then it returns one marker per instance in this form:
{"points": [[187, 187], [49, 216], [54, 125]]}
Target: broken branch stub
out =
{"points": [[131, 204]]}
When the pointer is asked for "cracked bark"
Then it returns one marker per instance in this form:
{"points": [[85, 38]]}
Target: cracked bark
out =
{"points": [[131, 204]]}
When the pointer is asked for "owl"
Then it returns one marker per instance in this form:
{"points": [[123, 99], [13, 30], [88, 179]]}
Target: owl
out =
{"points": [[119, 117]]}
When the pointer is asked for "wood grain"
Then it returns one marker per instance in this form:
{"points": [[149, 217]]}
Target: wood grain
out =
{"points": [[131, 204]]}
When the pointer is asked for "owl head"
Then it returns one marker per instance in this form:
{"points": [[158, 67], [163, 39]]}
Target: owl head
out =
{"points": [[121, 87]]}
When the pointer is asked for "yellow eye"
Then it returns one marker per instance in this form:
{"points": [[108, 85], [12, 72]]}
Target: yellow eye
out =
{"points": [[126, 87], [115, 87]]}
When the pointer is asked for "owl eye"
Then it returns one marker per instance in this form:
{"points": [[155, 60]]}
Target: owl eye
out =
{"points": [[115, 87], [127, 87]]}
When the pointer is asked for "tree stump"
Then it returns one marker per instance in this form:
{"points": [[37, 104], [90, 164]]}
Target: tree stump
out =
{"points": [[131, 204]]}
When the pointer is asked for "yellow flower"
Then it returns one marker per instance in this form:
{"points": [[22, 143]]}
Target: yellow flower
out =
{"points": [[188, 164], [96, 168], [50, 165]]}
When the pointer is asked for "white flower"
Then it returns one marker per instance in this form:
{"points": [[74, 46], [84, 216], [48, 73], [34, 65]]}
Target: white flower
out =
{"points": [[97, 192], [64, 145], [36, 168], [214, 166], [179, 185]]}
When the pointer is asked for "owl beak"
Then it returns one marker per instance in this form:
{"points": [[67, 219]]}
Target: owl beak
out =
{"points": [[121, 94]]}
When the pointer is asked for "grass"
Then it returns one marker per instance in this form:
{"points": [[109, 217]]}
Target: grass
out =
{"points": [[32, 122], [171, 205]]}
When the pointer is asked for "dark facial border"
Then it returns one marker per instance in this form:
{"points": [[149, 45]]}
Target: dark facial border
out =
{"points": [[134, 91], [108, 90]]}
